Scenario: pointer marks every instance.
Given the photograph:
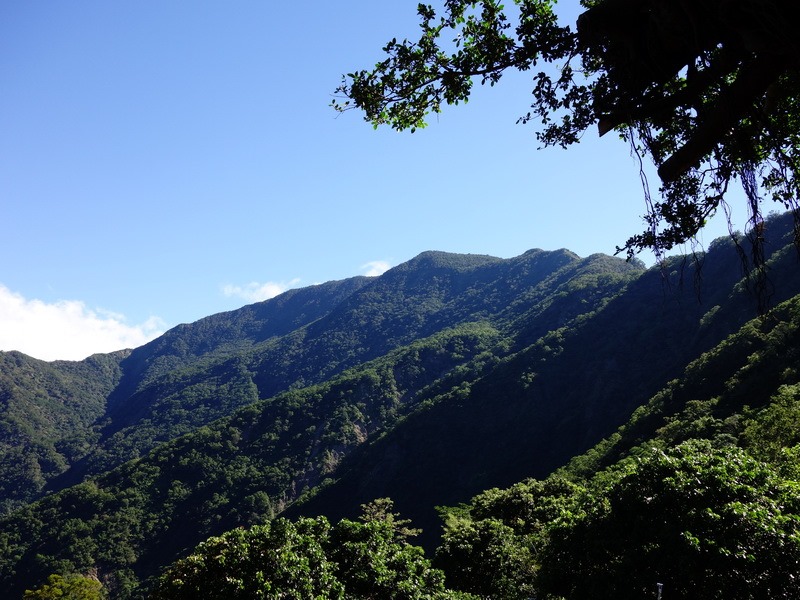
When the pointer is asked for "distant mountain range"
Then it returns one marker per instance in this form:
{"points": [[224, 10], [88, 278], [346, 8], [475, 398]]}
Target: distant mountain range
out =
{"points": [[446, 376]]}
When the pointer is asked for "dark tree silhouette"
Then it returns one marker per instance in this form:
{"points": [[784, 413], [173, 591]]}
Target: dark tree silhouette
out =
{"points": [[707, 90]]}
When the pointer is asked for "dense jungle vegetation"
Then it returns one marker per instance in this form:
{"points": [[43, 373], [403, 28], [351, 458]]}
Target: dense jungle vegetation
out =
{"points": [[557, 427]]}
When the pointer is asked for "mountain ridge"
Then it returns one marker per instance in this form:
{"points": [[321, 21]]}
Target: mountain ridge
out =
{"points": [[447, 375]]}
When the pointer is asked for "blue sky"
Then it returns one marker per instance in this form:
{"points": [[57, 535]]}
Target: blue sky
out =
{"points": [[161, 161]]}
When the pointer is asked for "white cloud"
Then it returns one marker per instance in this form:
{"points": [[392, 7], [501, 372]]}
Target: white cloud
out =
{"points": [[256, 292], [66, 329], [375, 267]]}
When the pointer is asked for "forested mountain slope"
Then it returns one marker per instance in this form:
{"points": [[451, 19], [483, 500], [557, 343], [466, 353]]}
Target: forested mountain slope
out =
{"points": [[557, 397], [447, 375], [49, 418], [196, 373], [696, 494], [47, 413], [696, 497]]}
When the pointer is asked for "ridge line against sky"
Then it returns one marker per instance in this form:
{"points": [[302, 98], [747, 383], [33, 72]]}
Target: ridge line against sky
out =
{"points": [[69, 330], [162, 161]]}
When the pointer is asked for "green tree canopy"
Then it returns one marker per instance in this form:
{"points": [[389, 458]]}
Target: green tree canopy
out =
{"points": [[490, 548], [703, 522], [309, 559], [281, 559], [707, 90], [71, 587]]}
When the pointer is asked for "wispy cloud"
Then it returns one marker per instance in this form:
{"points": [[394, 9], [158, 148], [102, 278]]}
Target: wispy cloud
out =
{"points": [[256, 292], [67, 329], [375, 267]]}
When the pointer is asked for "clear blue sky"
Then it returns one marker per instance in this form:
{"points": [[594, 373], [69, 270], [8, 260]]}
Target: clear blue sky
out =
{"points": [[161, 161]]}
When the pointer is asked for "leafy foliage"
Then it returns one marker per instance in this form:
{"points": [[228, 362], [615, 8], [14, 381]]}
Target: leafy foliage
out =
{"points": [[699, 521], [72, 587], [491, 547], [707, 90], [277, 560], [308, 559], [703, 522], [775, 427]]}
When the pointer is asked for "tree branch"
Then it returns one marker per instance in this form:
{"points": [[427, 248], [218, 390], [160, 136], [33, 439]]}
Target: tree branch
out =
{"points": [[731, 106]]}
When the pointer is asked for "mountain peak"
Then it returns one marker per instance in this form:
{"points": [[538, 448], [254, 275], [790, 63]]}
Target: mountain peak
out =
{"points": [[437, 259]]}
